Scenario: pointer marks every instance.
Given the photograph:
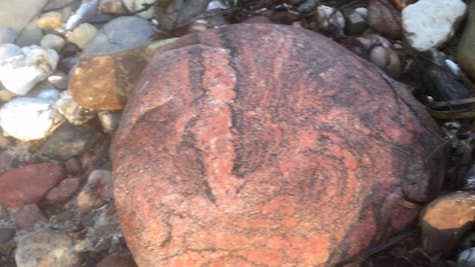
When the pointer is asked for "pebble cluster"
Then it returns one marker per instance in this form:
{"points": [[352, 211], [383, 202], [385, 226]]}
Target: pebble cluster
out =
{"points": [[62, 69]]}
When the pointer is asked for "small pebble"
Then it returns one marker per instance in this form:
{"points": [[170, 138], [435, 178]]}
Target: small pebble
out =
{"points": [[27, 216], [27, 118], [73, 112], [52, 41], [446, 219], [69, 141], [87, 8], [429, 23], [33, 66], [29, 184], [109, 120], [63, 191], [48, 248], [59, 80], [50, 20], [136, 5], [329, 19], [73, 166], [355, 22], [387, 59], [384, 19], [112, 7], [120, 34], [96, 191], [82, 35]]}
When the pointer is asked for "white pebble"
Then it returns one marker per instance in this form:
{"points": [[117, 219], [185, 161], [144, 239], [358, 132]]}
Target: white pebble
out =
{"points": [[19, 74], [329, 18], [429, 23], [27, 118], [454, 68]]}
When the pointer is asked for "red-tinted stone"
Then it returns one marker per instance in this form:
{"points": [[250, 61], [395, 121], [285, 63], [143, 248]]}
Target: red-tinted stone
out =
{"points": [[63, 191], [266, 145], [27, 216], [29, 184], [384, 18]]}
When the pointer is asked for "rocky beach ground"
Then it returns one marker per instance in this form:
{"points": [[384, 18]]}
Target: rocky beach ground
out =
{"points": [[67, 68]]}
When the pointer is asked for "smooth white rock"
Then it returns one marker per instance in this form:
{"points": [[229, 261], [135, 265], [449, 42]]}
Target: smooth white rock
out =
{"points": [[429, 23], [467, 257], [19, 74], [27, 118], [136, 5], [329, 18]]}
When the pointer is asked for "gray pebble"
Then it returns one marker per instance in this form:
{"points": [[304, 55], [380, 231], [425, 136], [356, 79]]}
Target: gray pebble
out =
{"points": [[119, 34], [46, 248], [52, 41]]}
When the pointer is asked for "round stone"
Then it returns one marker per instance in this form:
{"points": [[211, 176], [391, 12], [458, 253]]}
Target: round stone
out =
{"points": [[266, 145]]}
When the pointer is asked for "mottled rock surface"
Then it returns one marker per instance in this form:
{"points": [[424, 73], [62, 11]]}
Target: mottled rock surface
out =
{"points": [[46, 248], [266, 145], [29, 184]]}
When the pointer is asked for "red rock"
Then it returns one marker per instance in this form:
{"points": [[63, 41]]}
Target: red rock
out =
{"points": [[116, 261], [29, 184], [63, 191], [27, 216], [266, 145], [384, 18]]}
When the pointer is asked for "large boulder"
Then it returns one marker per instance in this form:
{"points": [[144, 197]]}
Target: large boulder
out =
{"points": [[266, 145]]}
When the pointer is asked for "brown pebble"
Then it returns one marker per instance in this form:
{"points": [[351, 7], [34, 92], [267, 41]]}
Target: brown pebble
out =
{"points": [[445, 220]]}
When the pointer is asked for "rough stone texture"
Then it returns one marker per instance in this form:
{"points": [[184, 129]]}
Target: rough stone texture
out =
{"points": [[27, 216], [46, 248], [266, 145], [29, 184]]}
